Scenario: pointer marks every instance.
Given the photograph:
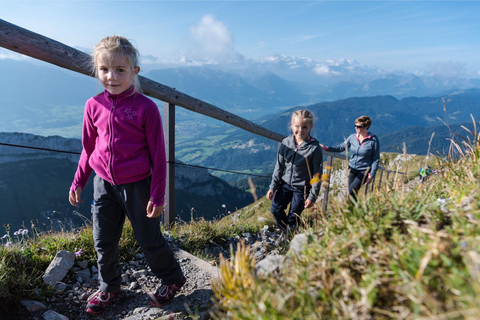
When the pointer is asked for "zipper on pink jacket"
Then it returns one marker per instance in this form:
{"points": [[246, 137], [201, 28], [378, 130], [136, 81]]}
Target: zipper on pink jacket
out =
{"points": [[110, 143]]}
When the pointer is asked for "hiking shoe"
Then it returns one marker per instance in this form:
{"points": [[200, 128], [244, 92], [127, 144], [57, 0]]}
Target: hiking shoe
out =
{"points": [[165, 293], [98, 301]]}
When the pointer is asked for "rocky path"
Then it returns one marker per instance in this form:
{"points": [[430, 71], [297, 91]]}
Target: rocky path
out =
{"points": [[194, 299]]}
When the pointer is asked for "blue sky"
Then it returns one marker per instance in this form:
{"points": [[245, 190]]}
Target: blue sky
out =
{"points": [[395, 35]]}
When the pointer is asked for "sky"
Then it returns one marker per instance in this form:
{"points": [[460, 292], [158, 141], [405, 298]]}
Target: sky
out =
{"points": [[411, 36]]}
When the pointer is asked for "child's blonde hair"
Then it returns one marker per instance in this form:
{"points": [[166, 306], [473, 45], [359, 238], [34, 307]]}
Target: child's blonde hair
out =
{"points": [[118, 47], [305, 114]]}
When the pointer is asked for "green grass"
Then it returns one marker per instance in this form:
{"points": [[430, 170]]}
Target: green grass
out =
{"points": [[396, 254]]}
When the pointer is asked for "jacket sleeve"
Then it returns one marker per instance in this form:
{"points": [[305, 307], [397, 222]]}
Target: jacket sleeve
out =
{"points": [[376, 156], [158, 161], [340, 147], [317, 167], [89, 137], [279, 168]]}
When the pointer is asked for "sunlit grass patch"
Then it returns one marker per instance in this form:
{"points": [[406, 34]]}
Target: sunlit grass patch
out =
{"points": [[195, 235], [401, 253]]}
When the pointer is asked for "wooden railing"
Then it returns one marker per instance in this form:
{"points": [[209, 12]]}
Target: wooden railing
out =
{"points": [[26, 42]]}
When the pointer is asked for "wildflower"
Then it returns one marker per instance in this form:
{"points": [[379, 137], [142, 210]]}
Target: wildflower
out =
{"points": [[25, 231], [328, 167], [8, 244], [78, 253], [325, 177], [224, 206], [5, 236], [16, 233], [315, 180]]}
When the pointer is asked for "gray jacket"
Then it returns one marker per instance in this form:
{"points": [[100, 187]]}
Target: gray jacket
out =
{"points": [[291, 165], [362, 156]]}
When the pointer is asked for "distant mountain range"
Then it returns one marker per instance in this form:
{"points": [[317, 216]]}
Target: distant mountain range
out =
{"points": [[47, 100]]}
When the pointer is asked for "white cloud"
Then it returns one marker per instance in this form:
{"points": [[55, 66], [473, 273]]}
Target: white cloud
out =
{"points": [[214, 41], [323, 70], [418, 73]]}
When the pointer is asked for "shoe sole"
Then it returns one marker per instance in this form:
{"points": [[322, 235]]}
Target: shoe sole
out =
{"points": [[155, 302], [93, 312]]}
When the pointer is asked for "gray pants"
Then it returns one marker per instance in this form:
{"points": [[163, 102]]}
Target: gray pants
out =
{"points": [[111, 204]]}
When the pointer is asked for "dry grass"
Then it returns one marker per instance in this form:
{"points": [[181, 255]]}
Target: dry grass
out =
{"points": [[399, 253]]}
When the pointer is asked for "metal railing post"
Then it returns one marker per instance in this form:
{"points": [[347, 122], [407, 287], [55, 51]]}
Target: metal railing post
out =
{"points": [[169, 132]]}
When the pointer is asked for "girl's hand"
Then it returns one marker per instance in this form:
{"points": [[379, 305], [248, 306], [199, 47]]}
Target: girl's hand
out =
{"points": [[308, 204], [153, 212], [270, 195], [74, 197], [369, 179]]}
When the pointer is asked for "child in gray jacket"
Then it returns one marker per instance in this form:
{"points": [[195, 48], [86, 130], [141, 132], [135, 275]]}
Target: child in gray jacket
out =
{"points": [[299, 158]]}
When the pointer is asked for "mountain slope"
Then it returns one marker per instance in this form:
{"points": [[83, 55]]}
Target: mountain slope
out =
{"points": [[34, 186], [417, 139]]}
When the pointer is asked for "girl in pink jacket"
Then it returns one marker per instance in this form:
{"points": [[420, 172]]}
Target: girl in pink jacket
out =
{"points": [[123, 143]]}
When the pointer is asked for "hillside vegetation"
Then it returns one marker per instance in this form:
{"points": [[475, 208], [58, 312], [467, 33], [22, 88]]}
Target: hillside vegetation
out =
{"points": [[404, 251], [396, 254], [409, 120]]}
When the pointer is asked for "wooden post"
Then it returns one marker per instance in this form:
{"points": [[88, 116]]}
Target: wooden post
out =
{"points": [[366, 186], [327, 187], [169, 132], [380, 182]]}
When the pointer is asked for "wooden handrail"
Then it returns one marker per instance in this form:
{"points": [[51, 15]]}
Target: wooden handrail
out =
{"points": [[34, 45]]}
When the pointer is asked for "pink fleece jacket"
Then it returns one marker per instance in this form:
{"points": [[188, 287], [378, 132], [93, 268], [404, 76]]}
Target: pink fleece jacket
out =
{"points": [[123, 142]]}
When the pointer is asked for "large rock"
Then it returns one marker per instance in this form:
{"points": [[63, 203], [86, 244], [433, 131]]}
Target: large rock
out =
{"points": [[58, 268], [33, 306], [268, 266], [298, 244], [52, 315]]}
